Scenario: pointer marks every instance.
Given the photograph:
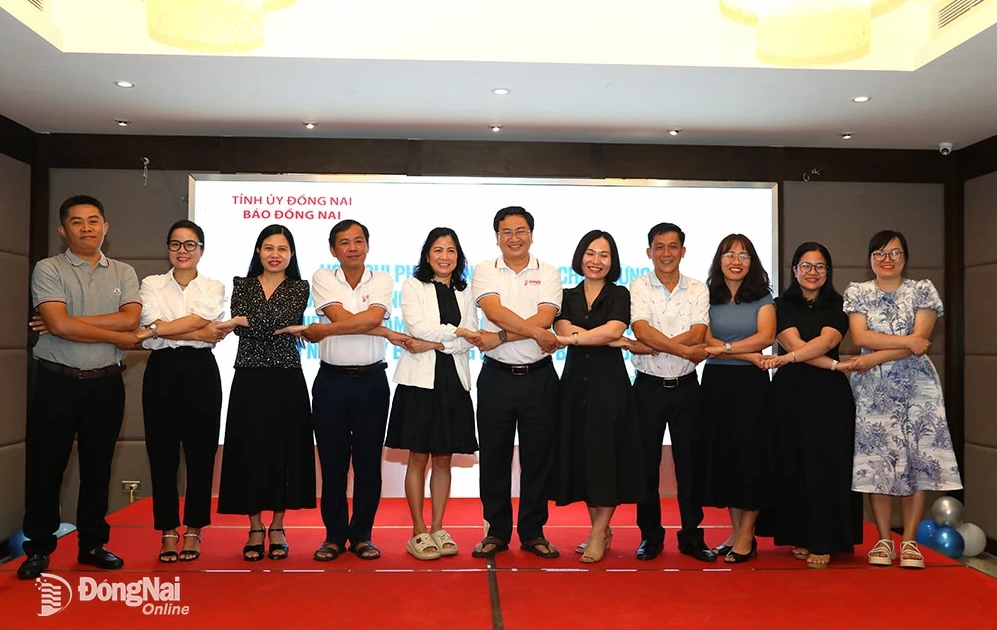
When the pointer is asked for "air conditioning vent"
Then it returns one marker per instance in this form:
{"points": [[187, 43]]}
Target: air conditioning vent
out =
{"points": [[951, 11]]}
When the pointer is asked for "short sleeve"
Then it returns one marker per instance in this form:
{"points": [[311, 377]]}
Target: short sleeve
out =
{"points": [[550, 287], [618, 307], [484, 281], [838, 320], [926, 296], [784, 315], [640, 310], [209, 305], [130, 293], [150, 301], [323, 289], [700, 313], [853, 302], [46, 286], [382, 290], [240, 302]]}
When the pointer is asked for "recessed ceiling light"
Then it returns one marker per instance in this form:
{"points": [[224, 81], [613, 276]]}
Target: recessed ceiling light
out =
{"points": [[861, 99], [496, 128], [309, 124], [124, 84], [846, 136], [674, 132], [122, 122], [501, 91]]}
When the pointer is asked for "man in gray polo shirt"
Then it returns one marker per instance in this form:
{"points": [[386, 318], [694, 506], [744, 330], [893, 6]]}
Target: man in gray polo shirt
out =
{"points": [[90, 307]]}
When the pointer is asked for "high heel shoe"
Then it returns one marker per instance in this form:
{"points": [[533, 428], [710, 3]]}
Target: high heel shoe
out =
{"points": [[257, 549], [609, 541], [169, 556], [277, 548], [733, 557], [595, 550]]}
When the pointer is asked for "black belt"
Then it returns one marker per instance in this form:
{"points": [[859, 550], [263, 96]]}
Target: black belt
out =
{"points": [[183, 349], [667, 383], [82, 375], [518, 370], [353, 370]]}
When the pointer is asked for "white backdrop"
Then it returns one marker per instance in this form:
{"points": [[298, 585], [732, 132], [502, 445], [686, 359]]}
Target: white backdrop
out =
{"points": [[400, 212]]}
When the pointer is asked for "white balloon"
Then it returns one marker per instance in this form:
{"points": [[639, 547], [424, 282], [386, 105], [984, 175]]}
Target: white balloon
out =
{"points": [[975, 539]]}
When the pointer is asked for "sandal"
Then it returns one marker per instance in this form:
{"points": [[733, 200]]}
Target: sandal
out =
{"points": [[609, 541], [497, 545], [910, 555], [278, 551], [423, 547], [257, 549], [883, 553], [818, 560], [327, 552], [444, 542], [168, 557], [534, 546], [188, 555], [800, 553], [366, 550]]}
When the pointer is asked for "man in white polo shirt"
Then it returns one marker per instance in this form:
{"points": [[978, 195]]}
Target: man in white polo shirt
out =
{"points": [[350, 393], [669, 312], [517, 386]]}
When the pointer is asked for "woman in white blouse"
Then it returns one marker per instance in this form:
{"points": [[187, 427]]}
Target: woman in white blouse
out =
{"points": [[181, 390], [431, 414]]}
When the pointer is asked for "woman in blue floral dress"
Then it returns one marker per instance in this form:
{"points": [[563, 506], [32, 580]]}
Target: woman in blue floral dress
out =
{"points": [[902, 441]]}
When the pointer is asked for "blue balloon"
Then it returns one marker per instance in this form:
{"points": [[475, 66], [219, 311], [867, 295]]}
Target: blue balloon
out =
{"points": [[948, 541], [14, 544], [925, 531]]}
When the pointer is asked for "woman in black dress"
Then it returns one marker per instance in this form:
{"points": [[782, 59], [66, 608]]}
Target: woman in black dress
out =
{"points": [[432, 414], [268, 462], [816, 510], [599, 458]]}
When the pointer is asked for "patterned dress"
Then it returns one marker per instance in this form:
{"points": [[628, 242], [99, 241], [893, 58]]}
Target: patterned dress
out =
{"points": [[902, 440]]}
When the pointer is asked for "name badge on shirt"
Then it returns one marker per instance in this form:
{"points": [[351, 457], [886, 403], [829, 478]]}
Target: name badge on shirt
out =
{"points": [[531, 283]]}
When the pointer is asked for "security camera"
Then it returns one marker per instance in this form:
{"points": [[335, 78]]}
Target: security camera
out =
{"points": [[945, 148]]}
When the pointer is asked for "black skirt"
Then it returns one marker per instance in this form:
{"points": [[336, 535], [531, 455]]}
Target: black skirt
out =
{"points": [[268, 462]]}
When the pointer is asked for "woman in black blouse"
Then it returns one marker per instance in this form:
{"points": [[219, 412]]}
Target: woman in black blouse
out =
{"points": [[599, 459], [816, 510], [269, 456]]}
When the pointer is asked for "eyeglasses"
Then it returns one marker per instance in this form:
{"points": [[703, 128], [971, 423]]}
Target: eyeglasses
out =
{"points": [[187, 245], [518, 233], [730, 256], [807, 267], [894, 254]]}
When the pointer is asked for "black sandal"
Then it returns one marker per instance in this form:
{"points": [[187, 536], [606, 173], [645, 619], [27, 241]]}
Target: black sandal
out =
{"points": [[169, 557], [498, 545], [327, 552], [275, 548], [366, 550], [257, 549], [189, 555], [533, 546]]}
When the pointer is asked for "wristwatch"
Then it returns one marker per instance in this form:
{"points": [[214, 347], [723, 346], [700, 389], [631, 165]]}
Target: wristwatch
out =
{"points": [[727, 347], [155, 330], [503, 336]]}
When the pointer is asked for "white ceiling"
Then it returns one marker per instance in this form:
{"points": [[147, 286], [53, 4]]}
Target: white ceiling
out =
{"points": [[952, 98]]}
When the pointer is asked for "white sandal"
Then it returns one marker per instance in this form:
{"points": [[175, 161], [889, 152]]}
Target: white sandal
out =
{"points": [[417, 546], [883, 553], [444, 543], [910, 555]]}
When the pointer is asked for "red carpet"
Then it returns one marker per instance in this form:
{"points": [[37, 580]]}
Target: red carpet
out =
{"points": [[221, 590]]}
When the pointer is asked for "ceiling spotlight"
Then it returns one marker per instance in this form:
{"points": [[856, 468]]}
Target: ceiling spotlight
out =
{"points": [[124, 84], [122, 122], [674, 132], [861, 99], [309, 124], [496, 128], [501, 91], [846, 136]]}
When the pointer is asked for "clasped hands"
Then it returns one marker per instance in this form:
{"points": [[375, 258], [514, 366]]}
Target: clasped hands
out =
{"points": [[213, 332]]}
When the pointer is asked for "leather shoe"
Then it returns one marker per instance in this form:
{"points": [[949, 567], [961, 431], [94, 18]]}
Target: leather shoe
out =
{"points": [[101, 558], [698, 552], [648, 550], [32, 567]]}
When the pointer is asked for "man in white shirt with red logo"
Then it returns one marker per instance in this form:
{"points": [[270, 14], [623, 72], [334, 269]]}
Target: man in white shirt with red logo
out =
{"points": [[350, 393], [517, 386]]}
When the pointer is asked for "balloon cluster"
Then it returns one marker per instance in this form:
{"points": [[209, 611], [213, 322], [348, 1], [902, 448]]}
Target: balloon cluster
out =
{"points": [[947, 533]]}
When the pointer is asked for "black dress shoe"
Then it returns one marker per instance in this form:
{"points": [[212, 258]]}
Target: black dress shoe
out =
{"points": [[648, 550], [100, 558], [698, 552], [32, 567]]}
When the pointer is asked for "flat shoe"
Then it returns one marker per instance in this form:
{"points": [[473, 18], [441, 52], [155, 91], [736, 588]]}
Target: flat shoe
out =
{"points": [[365, 550], [444, 542], [533, 545], [423, 547], [722, 550], [497, 545], [101, 558], [327, 552]]}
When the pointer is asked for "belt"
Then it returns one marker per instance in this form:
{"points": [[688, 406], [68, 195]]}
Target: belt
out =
{"points": [[668, 383], [353, 370], [518, 370], [82, 375]]}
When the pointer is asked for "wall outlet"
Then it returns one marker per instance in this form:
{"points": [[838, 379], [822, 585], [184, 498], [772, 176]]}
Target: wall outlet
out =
{"points": [[130, 486]]}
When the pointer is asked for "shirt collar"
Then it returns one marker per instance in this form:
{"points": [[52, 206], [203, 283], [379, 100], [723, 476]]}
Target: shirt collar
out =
{"points": [[76, 261], [367, 275], [192, 283], [656, 282], [533, 264]]}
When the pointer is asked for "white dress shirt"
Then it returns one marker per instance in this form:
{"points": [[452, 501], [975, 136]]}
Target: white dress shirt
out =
{"points": [[163, 299], [672, 313], [375, 288]]}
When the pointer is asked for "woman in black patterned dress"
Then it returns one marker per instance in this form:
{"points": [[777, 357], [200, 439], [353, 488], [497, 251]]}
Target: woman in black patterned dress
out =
{"points": [[269, 456]]}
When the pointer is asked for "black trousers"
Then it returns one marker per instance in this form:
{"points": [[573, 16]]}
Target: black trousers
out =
{"points": [[677, 408], [506, 402], [349, 415], [62, 409], [182, 406]]}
